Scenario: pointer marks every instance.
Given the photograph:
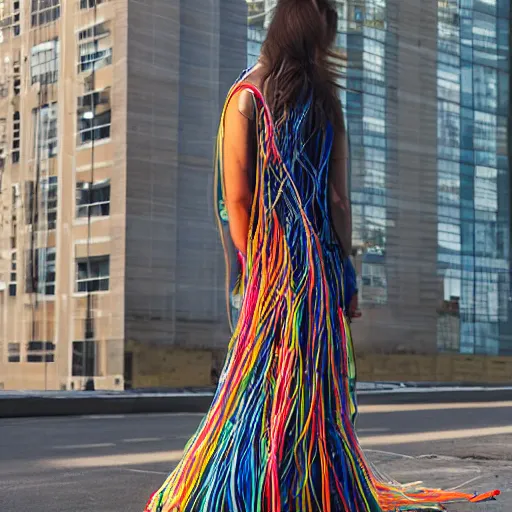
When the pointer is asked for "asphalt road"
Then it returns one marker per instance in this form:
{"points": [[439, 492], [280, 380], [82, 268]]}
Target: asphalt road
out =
{"points": [[113, 463]]}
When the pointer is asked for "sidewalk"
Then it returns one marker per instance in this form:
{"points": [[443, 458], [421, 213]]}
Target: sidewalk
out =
{"points": [[452, 472]]}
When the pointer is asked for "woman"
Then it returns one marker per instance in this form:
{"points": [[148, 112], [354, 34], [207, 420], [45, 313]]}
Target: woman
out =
{"points": [[280, 432]]}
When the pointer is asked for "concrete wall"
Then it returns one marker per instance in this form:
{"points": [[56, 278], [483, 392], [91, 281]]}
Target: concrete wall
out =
{"points": [[167, 366], [213, 54], [182, 56], [408, 317], [161, 366], [442, 368], [152, 167]]}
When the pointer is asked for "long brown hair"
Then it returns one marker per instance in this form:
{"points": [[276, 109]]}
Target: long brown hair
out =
{"points": [[299, 60]]}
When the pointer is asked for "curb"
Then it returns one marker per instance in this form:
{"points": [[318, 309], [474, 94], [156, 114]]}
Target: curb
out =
{"points": [[33, 406], [87, 403]]}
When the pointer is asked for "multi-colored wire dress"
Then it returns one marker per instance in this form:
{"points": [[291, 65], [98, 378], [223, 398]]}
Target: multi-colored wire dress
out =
{"points": [[280, 435]]}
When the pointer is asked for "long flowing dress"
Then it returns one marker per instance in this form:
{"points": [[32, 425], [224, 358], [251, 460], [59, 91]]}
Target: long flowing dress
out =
{"points": [[280, 435]]}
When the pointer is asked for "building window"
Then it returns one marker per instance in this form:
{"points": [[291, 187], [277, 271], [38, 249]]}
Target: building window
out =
{"points": [[31, 271], [373, 279], [84, 359], [374, 275], [93, 116], [41, 271], [448, 325], [44, 11], [49, 189], [93, 201], [16, 137], [449, 236], [44, 62], [93, 274], [88, 4], [94, 47], [13, 276], [29, 204], [48, 205], [16, 28], [448, 125], [3, 146], [16, 81], [15, 194], [40, 352], [45, 124], [47, 271], [13, 353]]}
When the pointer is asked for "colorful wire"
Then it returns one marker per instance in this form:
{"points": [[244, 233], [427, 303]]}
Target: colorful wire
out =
{"points": [[280, 435]]}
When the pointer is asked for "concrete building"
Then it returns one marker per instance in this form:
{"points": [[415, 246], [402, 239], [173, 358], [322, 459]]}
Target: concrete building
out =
{"points": [[110, 267]]}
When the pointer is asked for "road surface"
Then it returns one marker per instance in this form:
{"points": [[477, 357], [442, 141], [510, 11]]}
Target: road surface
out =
{"points": [[113, 463]]}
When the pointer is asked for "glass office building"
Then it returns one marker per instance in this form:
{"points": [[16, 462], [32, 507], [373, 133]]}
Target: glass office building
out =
{"points": [[427, 99], [473, 78]]}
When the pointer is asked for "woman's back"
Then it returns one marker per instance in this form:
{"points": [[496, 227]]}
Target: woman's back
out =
{"points": [[299, 182], [305, 175]]}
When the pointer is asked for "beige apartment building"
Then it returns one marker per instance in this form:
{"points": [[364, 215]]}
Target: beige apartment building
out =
{"points": [[109, 264]]}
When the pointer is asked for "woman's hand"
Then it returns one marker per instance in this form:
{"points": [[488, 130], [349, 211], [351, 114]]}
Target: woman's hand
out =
{"points": [[353, 308]]}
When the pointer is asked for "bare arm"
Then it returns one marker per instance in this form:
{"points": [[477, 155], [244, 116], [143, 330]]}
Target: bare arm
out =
{"points": [[239, 166], [341, 214]]}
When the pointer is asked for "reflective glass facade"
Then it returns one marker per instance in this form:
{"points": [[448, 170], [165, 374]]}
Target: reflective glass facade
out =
{"points": [[363, 34], [473, 172], [427, 99]]}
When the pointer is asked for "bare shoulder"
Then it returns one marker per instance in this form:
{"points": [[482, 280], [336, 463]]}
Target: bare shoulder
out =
{"points": [[246, 104], [246, 97]]}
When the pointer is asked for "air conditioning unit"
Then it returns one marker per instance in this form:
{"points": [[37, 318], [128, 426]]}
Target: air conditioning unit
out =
{"points": [[3, 286]]}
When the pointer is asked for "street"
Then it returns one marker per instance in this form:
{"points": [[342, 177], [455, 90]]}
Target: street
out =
{"points": [[113, 463]]}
